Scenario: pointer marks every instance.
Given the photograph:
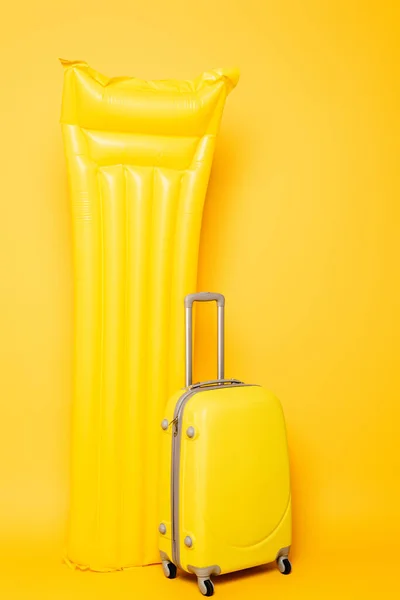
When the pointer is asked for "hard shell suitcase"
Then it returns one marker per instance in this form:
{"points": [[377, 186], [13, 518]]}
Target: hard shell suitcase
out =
{"points": [[225, 501]]}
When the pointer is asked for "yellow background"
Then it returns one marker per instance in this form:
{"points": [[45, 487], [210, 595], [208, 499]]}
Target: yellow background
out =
{"points": [[300, 232]]}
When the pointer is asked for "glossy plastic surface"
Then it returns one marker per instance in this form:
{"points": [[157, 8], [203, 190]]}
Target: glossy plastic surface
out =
{"points": [[139, 155], [165, 507], [234, 500]]}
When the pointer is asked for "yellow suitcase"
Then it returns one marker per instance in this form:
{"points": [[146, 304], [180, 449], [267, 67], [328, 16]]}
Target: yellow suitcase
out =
{"points": [[225, 501]]}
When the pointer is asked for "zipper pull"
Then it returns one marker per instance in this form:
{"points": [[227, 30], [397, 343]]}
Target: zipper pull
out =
{"points": [[174, 422]]}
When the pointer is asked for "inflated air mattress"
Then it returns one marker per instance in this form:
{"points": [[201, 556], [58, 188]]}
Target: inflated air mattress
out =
{"points": [[138, 156]]}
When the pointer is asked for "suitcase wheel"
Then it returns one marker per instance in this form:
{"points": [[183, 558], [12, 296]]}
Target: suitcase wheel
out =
{"points": [[284, 565], [206, 586], [169, 569]]}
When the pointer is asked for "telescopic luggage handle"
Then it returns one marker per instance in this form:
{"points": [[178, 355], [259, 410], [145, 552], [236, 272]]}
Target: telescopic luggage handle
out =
{"points": [[189, 301]]}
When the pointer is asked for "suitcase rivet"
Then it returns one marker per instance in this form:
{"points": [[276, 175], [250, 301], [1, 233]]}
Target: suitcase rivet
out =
{"points": [[190, 432], [162, 528], [164, 424], [188, 541]]}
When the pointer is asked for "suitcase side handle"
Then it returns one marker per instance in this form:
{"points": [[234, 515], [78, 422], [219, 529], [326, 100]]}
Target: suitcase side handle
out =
{"points": [[189, 301]]}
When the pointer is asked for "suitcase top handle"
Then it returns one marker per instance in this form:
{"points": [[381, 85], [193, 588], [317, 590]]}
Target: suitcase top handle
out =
{"points": [[189, 301]]}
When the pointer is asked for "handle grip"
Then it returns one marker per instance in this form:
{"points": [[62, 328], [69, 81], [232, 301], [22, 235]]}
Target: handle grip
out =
{"points": [[189, 301], [204, 297]]}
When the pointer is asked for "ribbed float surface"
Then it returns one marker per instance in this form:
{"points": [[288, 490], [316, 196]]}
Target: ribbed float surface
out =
{"points": [[139, 155]]}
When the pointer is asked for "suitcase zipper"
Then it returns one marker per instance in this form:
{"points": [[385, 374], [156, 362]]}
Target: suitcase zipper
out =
{"points": [[174, 424], [175, 474]]}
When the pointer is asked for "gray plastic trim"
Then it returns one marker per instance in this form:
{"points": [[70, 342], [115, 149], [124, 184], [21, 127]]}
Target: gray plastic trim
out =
{"points": [[175, 458], [213, 382], [190, 431], [204, 297], [284, 552], [204, 572], [164, 556]]}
